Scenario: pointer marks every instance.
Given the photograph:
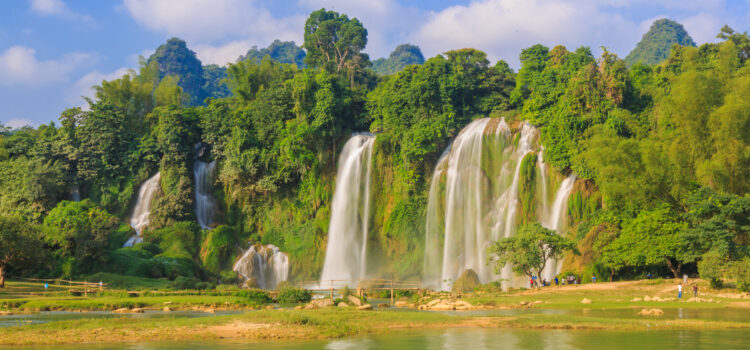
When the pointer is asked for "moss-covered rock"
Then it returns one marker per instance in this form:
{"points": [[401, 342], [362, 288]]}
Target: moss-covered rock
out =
{"points": [[466, 282]]}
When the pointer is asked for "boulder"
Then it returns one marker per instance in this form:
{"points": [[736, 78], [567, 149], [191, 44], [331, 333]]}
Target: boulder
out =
{"points": [[310, 306], [122, 310], [433, 303], [6, 313], [343, 304], [585, 301], [364, 307], [538, 302], [137, 310], [384, 306], [166, 309], [637, 300], [466, 282], [443, 307], [321, 303], [651, 312], [298, 307], [401, 304], [463, 304], [354, 300], [647, 298], [270, 307], [210, 311]]}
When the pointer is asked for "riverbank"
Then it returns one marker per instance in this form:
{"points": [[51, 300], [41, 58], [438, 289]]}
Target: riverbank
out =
{"points": [[613, 306]]}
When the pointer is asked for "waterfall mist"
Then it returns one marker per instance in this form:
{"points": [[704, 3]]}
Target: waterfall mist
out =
{"points": [[205, 203], [345, 259]]}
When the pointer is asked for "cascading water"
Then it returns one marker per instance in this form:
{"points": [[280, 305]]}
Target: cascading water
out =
{"points": [[139, 220], [266, 266], [556, 221], [474, 199], [75, 194], [347, 231], [205, 204]]}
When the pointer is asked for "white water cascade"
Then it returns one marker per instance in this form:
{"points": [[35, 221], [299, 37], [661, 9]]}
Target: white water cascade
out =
{"points": [[556, 221], [265, 266], [139, 219], [345, 260], [474, 199], [204, 175]]}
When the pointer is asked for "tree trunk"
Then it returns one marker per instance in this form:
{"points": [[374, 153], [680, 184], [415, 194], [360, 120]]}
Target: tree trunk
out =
{"points": [[2, 276], [675, 270], [611, 274]]}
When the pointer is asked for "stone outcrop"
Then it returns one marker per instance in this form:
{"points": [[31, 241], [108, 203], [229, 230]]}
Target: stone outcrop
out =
{"points": [[364, 307], [651, 312]]}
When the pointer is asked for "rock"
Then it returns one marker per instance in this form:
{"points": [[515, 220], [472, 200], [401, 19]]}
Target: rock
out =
{"points": [[298, 307], [651, 312], [354, 300], [464, 304], [647, 298], [321, 303], [524, 303], [412, 306], [401, 304], [310, 306], [210, 311], [6, 313], [343, 304], [433, 303], [443, 307], [636, 299], [585, 301], [121, 311], [364, 307], [270, 307], [466, 282], [538, 302], [166, 309], [137, 310], [384, 306]]}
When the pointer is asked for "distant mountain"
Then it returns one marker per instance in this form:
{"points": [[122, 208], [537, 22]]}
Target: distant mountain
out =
{"points": [[402, 56], [280, 51], [174, 58], [656, 44]]}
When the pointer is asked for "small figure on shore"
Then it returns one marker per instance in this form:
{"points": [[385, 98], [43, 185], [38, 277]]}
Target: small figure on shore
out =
{"points": [[649, 275], [593, 279], [557, 281], [695, 290], [679, 291], [531, 283]]}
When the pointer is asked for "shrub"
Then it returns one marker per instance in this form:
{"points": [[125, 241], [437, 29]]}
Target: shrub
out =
{"points": [[291, 295], [740, 270], [183, 282], [255, 296], [710, 268], [466, 282]]}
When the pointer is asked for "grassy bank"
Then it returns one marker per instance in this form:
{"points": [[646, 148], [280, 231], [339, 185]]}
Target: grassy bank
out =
{"points": [[340, 322]]}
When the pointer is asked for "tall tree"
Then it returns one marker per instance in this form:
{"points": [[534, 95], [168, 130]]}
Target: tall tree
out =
{"points": [[334, 41], [19, 244]]}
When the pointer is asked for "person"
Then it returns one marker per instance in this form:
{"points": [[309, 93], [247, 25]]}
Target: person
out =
{"points": [[531, 283], [649, 275], [46, 286], [557, 282], [593, 279], [695, 290], [679, 291]]}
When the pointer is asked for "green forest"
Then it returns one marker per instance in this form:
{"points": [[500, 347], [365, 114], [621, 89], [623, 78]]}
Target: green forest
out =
{"points": [[661, 147]]}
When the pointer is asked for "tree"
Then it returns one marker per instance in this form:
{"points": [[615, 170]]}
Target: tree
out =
{"points": [[333, 40], [529, 250], [402, 56], [654, 237], [19, 244]]}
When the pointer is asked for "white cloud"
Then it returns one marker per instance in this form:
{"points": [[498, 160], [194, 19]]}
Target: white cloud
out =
{"points": [[18, 123], [84, 86], [222, 54], [202, 21], [57, 8], [702, 27], [19, 66], [503, 28]]}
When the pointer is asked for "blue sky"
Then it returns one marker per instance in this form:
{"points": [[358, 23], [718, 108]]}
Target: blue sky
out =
{"points": [[53, 51]]}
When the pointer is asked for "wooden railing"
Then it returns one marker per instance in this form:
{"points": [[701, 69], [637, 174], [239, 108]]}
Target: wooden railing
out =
{"points": [[70, 285]]}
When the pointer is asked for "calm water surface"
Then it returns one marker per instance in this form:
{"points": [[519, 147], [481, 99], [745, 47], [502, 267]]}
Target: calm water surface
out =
{"points": [[483, 339]]}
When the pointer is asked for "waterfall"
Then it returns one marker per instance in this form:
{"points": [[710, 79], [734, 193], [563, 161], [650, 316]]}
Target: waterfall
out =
{"points": [[556, 221], [347, 231], [75, 193], [205, 204], [474, 199], [265, 266], [139, 219]]}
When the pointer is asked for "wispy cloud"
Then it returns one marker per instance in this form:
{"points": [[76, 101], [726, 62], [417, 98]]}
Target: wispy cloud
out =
{"points": [[84, 86], [19, 66], [58, 8], [18, 123]]}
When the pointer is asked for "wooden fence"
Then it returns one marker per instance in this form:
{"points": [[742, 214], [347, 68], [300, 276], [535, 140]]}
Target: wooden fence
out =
{"points": [[71, 286]]}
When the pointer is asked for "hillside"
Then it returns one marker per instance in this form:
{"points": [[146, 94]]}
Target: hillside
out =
{"points": [[656, 44]]}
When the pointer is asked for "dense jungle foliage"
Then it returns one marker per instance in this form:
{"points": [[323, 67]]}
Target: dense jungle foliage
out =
{"points": [[662, 153]]}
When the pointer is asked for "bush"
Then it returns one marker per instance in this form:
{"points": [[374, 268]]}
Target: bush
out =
{"points": [[740, 270], [293, 295], [710, 268], [183, 282], [255, 296]]}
